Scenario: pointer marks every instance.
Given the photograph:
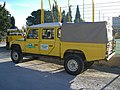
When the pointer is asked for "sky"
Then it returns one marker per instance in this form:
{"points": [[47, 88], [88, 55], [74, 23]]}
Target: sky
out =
{"points": [[104, 9]]}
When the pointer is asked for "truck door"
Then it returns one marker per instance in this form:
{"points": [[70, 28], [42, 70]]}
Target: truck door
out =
{"points": [[48, 44], [32, 41]]}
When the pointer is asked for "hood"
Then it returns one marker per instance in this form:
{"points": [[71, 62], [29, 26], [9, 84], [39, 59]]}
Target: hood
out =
{"points": [[21, 39]]}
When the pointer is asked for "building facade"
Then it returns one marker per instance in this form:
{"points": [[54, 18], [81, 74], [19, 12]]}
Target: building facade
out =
{"points": [[116, 24]]}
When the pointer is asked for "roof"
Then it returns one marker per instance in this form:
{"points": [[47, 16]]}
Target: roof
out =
{"points": [[87, 32], [44, 25]]}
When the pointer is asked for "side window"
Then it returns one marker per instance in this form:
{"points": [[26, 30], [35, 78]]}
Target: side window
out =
{"points": [[32, 34], [48, 34]]}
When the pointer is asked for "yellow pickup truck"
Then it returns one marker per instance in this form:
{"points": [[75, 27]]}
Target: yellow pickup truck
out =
{"points": [[13, 34], [78, 44]]}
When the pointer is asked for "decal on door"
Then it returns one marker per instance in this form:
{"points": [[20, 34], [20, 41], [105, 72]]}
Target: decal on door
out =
{"points": [[30, 46], [44, 46]]}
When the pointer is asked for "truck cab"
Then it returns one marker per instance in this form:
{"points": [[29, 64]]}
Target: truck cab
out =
{"points": [[13, 34], [79, 45], [41, 39]]}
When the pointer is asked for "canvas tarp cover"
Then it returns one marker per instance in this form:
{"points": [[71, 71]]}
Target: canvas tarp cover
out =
{"points": [[86, 32]]}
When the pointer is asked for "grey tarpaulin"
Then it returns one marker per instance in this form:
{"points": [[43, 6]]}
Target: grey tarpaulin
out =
{"points": [[86, 32]]}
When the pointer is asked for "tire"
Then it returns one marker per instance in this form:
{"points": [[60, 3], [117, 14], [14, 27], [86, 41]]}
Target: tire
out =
{"points": [[73, 64], [16, 56]]}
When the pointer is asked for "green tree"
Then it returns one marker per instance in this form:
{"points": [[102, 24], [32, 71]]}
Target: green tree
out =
{"points": [[55, 13], [63, 16], [12, 22], [78, 16], [68, 17], [48, 16], [70, 13], [4, 19], [35, 17]]}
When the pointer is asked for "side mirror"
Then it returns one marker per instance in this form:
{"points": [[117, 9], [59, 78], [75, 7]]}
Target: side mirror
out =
{"points": [[59, 33], [24, 38]]}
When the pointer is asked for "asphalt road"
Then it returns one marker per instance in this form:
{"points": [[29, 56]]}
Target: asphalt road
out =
{"points": [[49, 74]]}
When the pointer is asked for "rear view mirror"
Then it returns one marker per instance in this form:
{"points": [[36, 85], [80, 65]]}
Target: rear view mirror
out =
{"points": [[59, 33]]}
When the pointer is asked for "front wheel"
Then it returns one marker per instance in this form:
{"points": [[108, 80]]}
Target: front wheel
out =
{"points": [[73, 64], [16, 56]]}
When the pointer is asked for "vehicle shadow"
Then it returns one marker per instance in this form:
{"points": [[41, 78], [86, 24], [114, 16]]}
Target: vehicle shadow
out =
{"points": [[45, 59], [51, 60], [14, 77], [107, 69]]}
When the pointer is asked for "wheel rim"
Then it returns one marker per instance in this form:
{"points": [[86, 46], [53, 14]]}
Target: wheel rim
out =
{"points": [[72, 65], [15, 56]]}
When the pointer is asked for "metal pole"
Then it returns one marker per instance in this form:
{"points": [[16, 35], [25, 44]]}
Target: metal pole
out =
{"points": [[83, 9], [93, 12], [60, 14], [51, 10], [57, 10], [42, 12], [68, 10]]}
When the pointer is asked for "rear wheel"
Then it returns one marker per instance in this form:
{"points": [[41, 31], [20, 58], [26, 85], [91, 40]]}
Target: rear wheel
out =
{"points": [[73, 64], [16, 56]]}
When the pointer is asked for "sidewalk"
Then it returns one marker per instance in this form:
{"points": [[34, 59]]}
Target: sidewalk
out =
{"points": [[2, 44]]}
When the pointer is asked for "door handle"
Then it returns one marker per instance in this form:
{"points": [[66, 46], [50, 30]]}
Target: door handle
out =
{"points": [[50, 45]]}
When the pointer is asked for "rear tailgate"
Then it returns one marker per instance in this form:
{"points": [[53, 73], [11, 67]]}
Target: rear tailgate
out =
{"points": [[110, 46]]}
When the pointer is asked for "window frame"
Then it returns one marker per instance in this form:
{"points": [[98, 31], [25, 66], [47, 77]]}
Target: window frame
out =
{"points": [[46, 38], [37, 33]]}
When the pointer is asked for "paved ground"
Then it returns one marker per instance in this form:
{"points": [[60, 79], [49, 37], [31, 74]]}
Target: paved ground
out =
{"points": [[49, 74]]}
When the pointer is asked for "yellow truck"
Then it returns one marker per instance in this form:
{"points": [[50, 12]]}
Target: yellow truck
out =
{"points": [[78, 44], [13, 34]]}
